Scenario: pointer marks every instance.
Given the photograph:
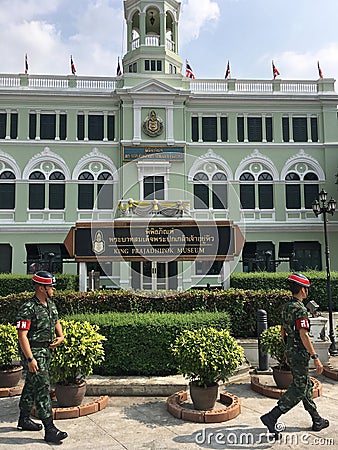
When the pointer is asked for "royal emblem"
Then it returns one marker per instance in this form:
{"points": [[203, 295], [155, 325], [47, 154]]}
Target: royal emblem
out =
{"points": [[98, 243], [153, 125]]}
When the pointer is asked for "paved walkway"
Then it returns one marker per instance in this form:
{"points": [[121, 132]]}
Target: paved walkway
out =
{"points": [[137, 423]]}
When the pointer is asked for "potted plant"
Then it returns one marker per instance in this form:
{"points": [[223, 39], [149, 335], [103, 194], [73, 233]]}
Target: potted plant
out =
{"points": [[10, 373], [74, 360], [272, 342], [206, 356]]}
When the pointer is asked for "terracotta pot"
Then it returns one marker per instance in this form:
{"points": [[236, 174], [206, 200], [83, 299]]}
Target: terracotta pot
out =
{"points": [[11, 377], [283, 378], [70, 395], [203, 398]]}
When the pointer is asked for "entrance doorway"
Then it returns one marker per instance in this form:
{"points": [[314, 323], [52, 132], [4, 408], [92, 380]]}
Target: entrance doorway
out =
{"points": [[153, 275]]}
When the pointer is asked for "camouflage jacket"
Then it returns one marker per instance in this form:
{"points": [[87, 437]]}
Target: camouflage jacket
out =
{"points": [[294, 316], [38, 319]]}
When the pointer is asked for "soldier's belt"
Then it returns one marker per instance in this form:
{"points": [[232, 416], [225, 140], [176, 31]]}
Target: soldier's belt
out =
{"points": [[35, 344]]}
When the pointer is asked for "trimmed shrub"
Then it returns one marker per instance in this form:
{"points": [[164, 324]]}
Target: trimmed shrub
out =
{"points": [[139, 344], [278, 280], [10, 283], [241, 305]]}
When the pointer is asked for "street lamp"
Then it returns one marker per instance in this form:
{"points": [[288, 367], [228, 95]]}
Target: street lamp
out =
{"points": [[327, 208]]}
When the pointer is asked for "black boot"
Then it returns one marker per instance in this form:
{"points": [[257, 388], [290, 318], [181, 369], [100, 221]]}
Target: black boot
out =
{"points": [[52, 434], [318, 423], [25, 423], [270, 419]]}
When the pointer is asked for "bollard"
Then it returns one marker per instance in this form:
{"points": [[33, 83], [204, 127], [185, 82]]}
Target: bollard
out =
{"points": [[262, 324]]}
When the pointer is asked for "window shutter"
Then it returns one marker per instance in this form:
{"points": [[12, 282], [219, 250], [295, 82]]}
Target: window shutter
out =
{"points": [[209, 129]]}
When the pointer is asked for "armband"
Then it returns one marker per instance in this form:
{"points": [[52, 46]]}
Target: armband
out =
{"points": [[23, 325], [303, 323]]}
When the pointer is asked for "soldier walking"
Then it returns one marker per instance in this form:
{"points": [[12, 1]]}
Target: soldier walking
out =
{"points": [[37, 324], [295, 332]]}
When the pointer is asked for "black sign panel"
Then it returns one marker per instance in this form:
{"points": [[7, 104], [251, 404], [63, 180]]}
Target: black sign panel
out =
{"points": [[155, 240]]}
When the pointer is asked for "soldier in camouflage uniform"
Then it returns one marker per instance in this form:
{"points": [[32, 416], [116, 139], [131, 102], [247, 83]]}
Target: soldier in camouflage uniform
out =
{"points": [[37, 324], [295, 332]]}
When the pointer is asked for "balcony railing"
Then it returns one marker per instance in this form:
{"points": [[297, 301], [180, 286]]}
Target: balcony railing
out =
{"points": [[9, 81], [199, 86]]}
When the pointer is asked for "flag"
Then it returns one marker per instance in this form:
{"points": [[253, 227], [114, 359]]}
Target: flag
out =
{"points": [[26, 64], [72, 65], [188, 71], [118, 70], [275, 71], [227, 72], [319, 70]]}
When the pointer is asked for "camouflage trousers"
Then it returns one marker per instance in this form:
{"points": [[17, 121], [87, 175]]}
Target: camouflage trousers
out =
{"points": [[37, 385], [301, 387]]}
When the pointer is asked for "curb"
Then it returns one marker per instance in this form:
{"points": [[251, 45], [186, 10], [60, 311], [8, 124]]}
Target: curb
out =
{"points": [[130, 386]]}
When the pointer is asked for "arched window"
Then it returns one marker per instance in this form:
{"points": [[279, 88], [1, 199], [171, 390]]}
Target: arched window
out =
{"points": [[292, 191], [265, 191], [86, 191], [57, 190], [210, 190], [7, 190], [247, 190], [219, 191], [311, 189], [37, 190], [97, 189], [201, 191], [105, 191]]}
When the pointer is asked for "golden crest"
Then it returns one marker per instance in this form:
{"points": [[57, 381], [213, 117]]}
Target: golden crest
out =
{"points": [[153, 124]]}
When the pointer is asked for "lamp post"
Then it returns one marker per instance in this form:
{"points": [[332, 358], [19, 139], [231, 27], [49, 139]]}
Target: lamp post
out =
{"points": [[323, 207]]}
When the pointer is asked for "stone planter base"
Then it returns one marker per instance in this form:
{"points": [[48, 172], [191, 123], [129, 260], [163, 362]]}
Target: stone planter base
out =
{"points": [[10, 392], [274, 392], [78, 411], [232, 410]]}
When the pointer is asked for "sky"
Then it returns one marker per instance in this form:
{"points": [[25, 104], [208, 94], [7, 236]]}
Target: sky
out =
{"points": [[249, 33]]}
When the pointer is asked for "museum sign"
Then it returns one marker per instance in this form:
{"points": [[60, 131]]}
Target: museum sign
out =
{"points": [[139, 240]]}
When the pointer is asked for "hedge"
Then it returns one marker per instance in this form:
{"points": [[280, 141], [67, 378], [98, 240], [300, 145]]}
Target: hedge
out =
{"points": [[278, 280], [242, 305], [139, 344], [10, 283]]}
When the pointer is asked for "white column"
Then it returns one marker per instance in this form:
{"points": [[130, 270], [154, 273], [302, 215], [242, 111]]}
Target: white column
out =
{"points": [[137, 124], [57, 125], [85, 126], [38, 122], [170, 124], [290, 129], [83, 277], [308, 123], [105, 125], [246, 128], [8, 124], [263, 128]]}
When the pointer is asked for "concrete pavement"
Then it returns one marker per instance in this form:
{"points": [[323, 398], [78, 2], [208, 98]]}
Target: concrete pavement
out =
{"points": [[142, 422]]}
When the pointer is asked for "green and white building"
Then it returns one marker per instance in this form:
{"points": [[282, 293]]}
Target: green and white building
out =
{"points": [[256, 152]]}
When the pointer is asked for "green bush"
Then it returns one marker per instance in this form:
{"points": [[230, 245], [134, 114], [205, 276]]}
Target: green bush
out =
{"points": [[79, 353], [139, 344], [272, 342], [207, 355], [8, 345], [13, 284]]}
